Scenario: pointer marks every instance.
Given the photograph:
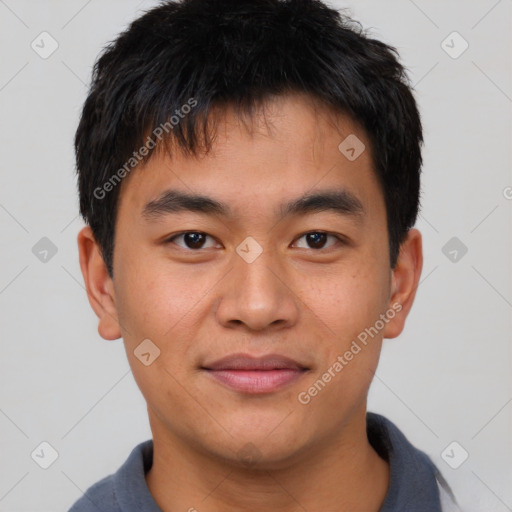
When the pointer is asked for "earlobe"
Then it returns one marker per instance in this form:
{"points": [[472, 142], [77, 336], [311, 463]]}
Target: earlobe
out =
{"points": [[404, 282], [99, 285]]}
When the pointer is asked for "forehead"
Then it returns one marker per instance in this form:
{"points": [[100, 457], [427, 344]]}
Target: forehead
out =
{"points": [[292, 146]]}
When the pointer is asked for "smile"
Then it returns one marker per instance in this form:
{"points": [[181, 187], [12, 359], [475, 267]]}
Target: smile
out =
{"points": [[255, 375]]}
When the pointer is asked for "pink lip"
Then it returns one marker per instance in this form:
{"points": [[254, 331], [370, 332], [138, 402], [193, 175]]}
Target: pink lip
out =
{"points": [[249, 374]]}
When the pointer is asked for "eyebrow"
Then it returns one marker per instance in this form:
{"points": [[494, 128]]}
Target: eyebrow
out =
{"points": [[339, 201]]}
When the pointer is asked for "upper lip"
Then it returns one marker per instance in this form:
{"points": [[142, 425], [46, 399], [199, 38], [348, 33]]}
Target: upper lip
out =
{"points": [[248, 362]]}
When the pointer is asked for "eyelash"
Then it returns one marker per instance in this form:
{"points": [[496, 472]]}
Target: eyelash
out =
{"points": [[339, 239]]}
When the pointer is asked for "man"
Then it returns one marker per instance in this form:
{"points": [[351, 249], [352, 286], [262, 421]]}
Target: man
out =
{"points": [[249, 172]]}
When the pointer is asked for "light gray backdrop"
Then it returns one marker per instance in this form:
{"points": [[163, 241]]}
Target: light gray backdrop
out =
{"points": [[446, 379]]}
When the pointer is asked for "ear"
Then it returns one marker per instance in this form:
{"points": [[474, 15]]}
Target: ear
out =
{"points": [[99, 285], [404, 282]]}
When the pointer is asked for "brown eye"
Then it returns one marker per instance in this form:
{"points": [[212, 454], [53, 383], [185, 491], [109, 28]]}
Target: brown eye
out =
{"points": [[191, 240], [317, 239]]}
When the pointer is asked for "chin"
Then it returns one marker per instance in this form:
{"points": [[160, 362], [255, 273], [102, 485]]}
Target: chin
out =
{"points": [[269, 447], [255, 457]]}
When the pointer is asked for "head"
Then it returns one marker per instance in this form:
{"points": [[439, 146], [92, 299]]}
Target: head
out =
{"points": [[249, 173]]}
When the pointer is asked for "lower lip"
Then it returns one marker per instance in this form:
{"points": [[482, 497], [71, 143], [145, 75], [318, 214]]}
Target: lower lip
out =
{"points": [[256, 381]]}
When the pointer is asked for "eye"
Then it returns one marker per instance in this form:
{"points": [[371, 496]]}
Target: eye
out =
{"points": [[318, 239], [192, 240]]}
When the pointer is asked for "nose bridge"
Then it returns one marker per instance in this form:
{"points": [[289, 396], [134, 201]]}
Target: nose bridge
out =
{"points": [[255, 294]]}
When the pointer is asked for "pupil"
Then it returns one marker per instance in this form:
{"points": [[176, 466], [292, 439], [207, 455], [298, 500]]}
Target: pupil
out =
{"points": [[317, 240], [194, 240]]}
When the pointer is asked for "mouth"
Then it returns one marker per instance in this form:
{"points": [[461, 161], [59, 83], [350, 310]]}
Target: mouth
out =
{"points": [[255, 375]]}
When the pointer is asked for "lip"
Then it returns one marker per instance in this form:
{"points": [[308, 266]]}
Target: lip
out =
{"points": [[255, 375]]}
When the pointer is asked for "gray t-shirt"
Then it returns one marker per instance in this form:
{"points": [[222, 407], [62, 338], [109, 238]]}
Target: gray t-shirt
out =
{"points": [[416, 485]]}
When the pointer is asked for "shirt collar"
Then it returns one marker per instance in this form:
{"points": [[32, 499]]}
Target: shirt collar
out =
{"points": [[412, 483], [412, 486]]}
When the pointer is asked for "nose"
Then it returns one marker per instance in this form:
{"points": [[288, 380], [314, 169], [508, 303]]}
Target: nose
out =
{"points": [[256, 295]]}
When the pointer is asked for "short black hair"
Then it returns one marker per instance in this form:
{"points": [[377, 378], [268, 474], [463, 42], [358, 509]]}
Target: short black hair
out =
{"points": [[182, 58]]}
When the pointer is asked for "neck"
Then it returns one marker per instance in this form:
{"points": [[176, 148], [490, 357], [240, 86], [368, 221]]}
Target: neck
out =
{"points": [[342, 475]]}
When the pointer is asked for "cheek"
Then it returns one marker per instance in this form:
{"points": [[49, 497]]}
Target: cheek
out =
{"points": [[165, 305], [156, 299], [349, 301], [157, 306]]}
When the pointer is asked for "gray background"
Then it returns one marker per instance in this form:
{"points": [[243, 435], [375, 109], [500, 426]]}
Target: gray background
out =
{"points": [[447, 378]]}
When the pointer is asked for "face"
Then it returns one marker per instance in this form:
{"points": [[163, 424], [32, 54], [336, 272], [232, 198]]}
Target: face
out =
{"points": [[280, 268]]}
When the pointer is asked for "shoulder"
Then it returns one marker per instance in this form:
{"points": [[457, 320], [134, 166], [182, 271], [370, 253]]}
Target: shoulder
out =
{"points": [[446, 496], [126, 489], [415, 481], [99, 497]]}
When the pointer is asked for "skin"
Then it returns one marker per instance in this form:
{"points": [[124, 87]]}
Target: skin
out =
{"points": [[306, 303]]}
